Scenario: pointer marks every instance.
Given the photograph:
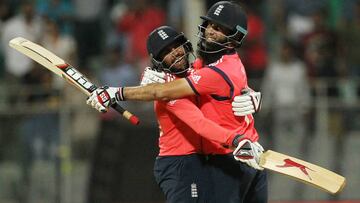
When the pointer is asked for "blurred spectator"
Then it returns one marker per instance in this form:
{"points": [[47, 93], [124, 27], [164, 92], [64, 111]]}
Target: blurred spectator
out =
{"points": [[39, 131], [350, 71], [115, 72], [137, 23], [61, 11], [287, 95], [9, 8], [4, 12], [320, 49], [28, 25], [82, 122], [254, 55], [348, 9], [297, 16], [114, 38], [350, 35], [175, 12], [62, 45], [89, 30]]}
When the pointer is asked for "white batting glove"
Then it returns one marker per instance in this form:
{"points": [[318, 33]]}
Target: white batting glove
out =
{"points": [[249, 152], [247, 103], [102, 98], [152, 76]]}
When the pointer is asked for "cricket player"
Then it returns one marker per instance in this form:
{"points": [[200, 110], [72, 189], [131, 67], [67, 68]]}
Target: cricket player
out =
{"points": [[221, 78], [180, 168]]}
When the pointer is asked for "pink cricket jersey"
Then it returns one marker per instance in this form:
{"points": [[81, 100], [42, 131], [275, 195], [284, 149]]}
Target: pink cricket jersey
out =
{"points": [[216, 85], [182, 123]]}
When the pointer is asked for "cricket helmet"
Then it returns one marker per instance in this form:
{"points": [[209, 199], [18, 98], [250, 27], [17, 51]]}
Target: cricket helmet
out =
{"points": [[230, 16], [162, 38]]}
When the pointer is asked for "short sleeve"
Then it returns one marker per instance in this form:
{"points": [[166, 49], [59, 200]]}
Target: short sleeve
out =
{"points": [[207, 81]]}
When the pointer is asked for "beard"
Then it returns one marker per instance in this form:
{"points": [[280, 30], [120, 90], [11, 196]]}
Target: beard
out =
{"points": [[210, 52], [213, 46]]}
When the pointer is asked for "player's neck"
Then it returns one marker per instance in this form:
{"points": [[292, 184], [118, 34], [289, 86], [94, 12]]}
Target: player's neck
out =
{"points": [[209, 58]]}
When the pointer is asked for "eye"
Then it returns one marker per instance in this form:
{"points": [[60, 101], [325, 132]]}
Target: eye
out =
{"points": [[214, 26], [217, 28]]}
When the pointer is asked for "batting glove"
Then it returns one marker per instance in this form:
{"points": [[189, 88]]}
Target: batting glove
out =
{"points": [[152, 76], [249, 152], [247, 103], [102, 98]]}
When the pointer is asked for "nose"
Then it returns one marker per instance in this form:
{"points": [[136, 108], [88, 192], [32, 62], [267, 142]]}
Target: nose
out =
{"points": [[177, 51], [210, 31]]}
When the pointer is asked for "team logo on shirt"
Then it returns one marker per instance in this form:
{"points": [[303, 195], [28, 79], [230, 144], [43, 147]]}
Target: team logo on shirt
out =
{"points": [[195, 78]]}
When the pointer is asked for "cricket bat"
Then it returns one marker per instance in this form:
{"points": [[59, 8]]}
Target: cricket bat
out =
{"points": [[58, 66], [303, 171]]}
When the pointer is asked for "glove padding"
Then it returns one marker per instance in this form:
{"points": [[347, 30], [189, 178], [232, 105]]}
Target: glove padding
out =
{"points": [[247, 103], [103, 97], [249, 152], [152, 76]]}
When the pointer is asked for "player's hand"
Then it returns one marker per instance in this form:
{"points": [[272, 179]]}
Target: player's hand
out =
{"points": [[102, 98], [152, 76], [247, 103], [249, 152]]}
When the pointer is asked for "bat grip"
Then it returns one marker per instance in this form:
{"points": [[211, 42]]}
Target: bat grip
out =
{"points": [[132, 118]]}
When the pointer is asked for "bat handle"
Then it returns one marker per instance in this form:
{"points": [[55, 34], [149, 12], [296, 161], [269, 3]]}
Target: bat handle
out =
{"points": [[132, 118]]}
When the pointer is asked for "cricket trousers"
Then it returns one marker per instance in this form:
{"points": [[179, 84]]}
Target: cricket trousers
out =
{"points": [[183, 179], [236, 182]]}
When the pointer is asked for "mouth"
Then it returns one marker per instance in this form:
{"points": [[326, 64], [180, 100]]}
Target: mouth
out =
{"points": [[179, 63]]}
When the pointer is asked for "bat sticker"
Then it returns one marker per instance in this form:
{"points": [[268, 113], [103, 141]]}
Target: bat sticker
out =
{"points": [[77, 77], [291, 163]]}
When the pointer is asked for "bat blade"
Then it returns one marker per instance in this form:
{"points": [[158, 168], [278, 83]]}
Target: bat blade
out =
{"points": [[58, 66], [38, 53], [303, 171]]}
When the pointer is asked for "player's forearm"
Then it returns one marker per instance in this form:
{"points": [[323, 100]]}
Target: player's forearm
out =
{"points": [[146, 93], [212, 131], [166, 91]]}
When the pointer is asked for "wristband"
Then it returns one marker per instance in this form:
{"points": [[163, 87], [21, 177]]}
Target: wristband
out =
{"points": [[120, 94]]}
